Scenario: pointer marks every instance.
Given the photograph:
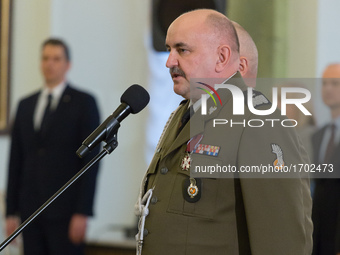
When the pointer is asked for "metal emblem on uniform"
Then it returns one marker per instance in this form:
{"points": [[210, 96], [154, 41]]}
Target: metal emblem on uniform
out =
{"points": [[192, 189], [278, 162], [259, 100], [191, 145], [186, 162], [212, 109]]}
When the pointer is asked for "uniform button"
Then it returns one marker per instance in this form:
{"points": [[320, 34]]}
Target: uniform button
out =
{"points": [[146, 232], [154, 200], [164, 170], [158, 150]]}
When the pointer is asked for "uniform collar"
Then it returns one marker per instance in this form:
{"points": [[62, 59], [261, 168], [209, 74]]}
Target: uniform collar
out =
{"points": [[56, 92], [197, 104], [199, 120]]}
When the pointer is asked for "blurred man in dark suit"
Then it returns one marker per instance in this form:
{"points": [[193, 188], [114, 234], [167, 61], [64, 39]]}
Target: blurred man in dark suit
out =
{"points": [[49, 127], [326, 204]]}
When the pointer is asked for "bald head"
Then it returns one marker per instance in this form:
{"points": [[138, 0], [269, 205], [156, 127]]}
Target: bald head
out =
{"points": [[332, 71], [224, 29], [331, 88], [248, 54], [220, 27]]}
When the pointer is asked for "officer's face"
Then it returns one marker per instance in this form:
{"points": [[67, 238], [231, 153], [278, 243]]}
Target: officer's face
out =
{"points": [[54, 64], [331, 86], [193, 52]]}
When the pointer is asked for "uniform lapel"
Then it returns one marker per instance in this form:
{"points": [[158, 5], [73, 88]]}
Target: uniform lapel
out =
{"points": [[171, 138]]}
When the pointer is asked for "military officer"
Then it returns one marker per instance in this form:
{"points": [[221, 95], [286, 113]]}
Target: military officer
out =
{"points": [[235, 214]]}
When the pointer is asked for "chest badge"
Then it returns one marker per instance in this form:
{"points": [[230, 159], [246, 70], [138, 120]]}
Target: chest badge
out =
{"points": [[186, 162], [278, 162], [191, 145], [192, 189]]}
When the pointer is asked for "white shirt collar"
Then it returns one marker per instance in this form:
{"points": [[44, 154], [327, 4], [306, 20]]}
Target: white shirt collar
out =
{"points": [[56, 93]]}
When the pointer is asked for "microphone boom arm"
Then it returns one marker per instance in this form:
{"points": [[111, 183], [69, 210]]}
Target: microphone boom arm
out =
{"points": [[105, 131]]}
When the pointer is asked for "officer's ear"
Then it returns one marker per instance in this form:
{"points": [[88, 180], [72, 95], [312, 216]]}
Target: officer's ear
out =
{"points": [[244, 66], [224, 57]]}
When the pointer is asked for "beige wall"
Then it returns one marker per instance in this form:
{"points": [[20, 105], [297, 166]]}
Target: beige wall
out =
{"points": [[31, 25], [302, 38], [285, 33]]}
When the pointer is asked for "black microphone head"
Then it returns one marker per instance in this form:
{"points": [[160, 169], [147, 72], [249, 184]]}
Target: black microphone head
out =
{"points": [[136, 97]]}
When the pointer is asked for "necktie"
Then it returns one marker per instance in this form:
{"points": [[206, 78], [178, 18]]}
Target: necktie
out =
{"points": [[331, 146], [47, 112], [185, 118]]}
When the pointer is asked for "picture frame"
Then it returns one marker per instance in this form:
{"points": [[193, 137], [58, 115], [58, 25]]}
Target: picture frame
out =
{"points": [[5, 42]]}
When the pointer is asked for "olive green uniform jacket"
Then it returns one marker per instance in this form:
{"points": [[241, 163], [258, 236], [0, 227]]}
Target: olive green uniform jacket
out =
{"points": [[259, 216]]}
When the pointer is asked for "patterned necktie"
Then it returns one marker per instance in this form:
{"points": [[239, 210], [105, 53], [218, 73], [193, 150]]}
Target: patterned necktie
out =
{"points": [[47, 112], [331, 145]]}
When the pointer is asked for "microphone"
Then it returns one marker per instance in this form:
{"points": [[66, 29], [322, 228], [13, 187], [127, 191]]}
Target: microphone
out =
{"points": [[133, 100]]}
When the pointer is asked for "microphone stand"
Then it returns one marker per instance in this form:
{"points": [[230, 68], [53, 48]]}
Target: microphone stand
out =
{"points": [[111, 145]]}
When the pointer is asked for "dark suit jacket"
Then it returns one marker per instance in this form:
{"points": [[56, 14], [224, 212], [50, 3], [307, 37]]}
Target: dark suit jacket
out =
{"points": [[326, 204], [39, 166]]}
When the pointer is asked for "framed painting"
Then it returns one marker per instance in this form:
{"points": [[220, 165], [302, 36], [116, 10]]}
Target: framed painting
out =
{"points": [[5, 31]]}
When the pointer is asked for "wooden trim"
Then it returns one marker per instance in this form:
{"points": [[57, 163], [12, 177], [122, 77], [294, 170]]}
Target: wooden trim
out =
{"points": [[5, 29]]}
